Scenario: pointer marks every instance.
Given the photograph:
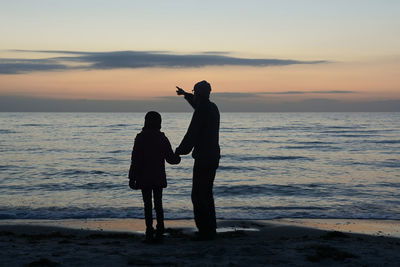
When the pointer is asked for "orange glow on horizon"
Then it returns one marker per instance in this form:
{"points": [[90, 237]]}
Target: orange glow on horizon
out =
{"points": [[372, 81]]}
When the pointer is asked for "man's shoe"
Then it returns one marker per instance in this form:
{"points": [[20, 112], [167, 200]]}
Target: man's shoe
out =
{"points": [[159, 238]]}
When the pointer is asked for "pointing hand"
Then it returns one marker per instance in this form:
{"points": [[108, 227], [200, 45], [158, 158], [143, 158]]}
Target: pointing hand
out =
{"points": [[180, 91]]}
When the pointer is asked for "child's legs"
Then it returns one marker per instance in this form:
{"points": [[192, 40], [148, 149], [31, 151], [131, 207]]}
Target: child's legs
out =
{"points": [[148, 213], [157, 192]]}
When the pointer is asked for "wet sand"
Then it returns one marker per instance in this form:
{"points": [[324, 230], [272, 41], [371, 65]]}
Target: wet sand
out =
{"points": [[117, 242]]}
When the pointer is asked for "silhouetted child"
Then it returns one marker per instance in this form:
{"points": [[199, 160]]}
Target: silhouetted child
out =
{"points": [[147, 172]]}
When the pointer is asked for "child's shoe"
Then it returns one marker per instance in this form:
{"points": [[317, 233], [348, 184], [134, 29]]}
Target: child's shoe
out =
{"points": [[149, 236]]}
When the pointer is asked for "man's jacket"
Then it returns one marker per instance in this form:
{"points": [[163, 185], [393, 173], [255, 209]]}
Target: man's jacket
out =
{"points": [[203, 133]]}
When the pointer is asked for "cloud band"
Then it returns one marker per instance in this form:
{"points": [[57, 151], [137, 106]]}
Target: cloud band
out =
{"points": [[134, 59]]}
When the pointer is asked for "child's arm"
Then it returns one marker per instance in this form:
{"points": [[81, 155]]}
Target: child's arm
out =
{"points": [[132, 181], [170, 156], [136, 160]]}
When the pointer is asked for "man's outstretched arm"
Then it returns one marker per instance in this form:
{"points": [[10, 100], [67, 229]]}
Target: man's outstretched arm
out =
{"points": [[187, 96]]}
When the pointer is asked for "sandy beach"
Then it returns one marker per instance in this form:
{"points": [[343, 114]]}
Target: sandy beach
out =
{"points": [[117, 242]]}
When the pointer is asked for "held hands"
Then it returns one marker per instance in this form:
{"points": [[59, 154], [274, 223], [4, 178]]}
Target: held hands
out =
{"points": [[178, 158], [180, 91]]}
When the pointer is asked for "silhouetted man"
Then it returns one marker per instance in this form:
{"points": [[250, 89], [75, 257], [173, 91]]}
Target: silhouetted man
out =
{"points": [[202, 136]]}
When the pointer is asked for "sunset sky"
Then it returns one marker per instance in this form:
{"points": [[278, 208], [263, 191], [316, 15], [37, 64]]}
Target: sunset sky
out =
{"points": [[257, 55]]}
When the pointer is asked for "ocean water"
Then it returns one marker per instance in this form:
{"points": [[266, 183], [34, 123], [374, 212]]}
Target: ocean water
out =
{"points": [[273, 165]]}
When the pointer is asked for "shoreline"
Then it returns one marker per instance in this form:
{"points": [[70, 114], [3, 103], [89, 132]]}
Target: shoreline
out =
{"points": [[283, 242], [378, 227]]}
